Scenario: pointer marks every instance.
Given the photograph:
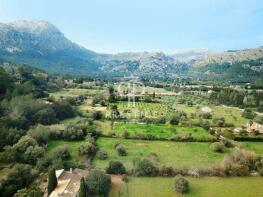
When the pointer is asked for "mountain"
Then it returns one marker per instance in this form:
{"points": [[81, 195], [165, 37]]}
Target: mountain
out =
{"points": [[234, 66], [42, 45]]}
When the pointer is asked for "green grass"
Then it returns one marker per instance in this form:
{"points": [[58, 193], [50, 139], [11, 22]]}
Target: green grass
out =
{"points": [[257, 147], [74, 92], [176, 154], [231, 114], [73, 148], [203, 187], [160, 131]]}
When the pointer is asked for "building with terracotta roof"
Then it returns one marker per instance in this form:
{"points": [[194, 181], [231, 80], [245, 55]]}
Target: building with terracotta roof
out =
{"points": [[68, 182]]}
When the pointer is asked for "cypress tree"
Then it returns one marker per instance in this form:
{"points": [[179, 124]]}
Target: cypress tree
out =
{"points": [[52, 181], [82, 189]]}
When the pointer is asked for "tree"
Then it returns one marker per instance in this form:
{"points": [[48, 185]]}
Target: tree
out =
{"points": [[52, 181], [40, 133], [30, 192], [145, 167], [121, 150], [27, 150], [112, 97], [115, 167], [19, 177], [102, 154], [82, 189], [88, 149], [98, 182], [62, 152], [181, 185]]}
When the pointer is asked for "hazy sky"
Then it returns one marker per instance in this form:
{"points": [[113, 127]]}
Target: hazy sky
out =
{"points": [[147, 25]]}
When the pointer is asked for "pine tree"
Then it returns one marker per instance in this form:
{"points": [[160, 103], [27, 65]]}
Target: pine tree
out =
{"points": [[52, 181], [82, 189]]}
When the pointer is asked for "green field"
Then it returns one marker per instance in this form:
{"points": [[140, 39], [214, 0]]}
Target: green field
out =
{"points": [[74, 92], [176, 154], [160, 131], [167, 108], [257, 147], [202, 187], [73, 148]]}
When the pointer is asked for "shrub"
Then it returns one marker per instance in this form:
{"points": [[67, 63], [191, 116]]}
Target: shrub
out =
{"points": [[145, 167], [73, 133], [115, 167], [87, 149], [102, 154], [121, 150], [181, 185], [160, 120], [98, 182], [96, 115], [125, 134], [19, 177], [125, 178], [247, 113], [217, 147], [26, 150], [228, 143], [207, 115], [62, 152], [166, 171], [174, 120], [40, 133]]}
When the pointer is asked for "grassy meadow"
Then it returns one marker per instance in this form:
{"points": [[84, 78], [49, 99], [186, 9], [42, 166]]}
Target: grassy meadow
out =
{"points": [[176, 154], [160, 131], [202, 187]]}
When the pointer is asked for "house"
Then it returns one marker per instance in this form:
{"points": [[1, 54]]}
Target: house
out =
{"points": [[255, 127], [68, 182]]}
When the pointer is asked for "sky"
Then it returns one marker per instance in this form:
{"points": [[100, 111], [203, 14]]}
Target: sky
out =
{"points": [[113, 26]]}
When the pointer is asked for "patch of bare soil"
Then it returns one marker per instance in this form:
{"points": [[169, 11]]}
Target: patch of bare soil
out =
{"points": [[91, 108]]}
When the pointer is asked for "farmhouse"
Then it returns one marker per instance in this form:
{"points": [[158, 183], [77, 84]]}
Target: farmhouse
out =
{"points": [[68, 182], [254, 127]]}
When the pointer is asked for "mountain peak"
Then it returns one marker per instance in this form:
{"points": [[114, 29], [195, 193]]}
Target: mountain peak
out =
{"points": [[34, 26]]}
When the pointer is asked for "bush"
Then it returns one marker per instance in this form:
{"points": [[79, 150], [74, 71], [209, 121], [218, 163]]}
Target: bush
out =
{"points": [[102, 154], [160, 120], [26, 150], [217, 147], [145, 167], [125, 178], [115, 167], [228, 143], [247, 113], [62, 152], [98, 182], [121, 150], [73, 133], [207, 115], [87, 149], [174, 120], [240, 162], [181, 185], [40, 133], [19, 177], [96, 115], [125, 134]]}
